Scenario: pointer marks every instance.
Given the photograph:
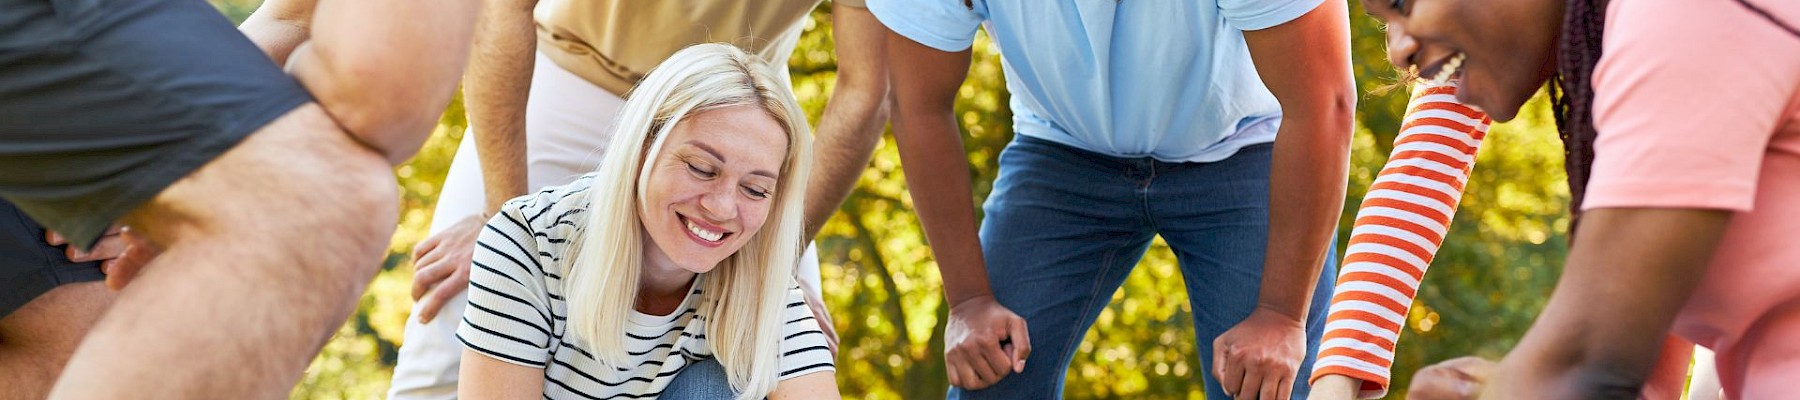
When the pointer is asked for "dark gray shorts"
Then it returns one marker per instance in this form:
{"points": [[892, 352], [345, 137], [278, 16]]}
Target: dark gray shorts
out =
{"points": [[28, 266], [104, 103]]}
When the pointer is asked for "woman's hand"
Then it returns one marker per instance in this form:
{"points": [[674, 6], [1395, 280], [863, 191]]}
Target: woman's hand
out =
{"points": [[1461, 378]]}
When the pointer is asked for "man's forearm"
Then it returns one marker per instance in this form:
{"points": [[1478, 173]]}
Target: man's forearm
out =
{"points": [[937, 168], [1306, 65], [495, 92], [851, 126], [1306, 194], [384, 69], [848, 134], [938, 176]]}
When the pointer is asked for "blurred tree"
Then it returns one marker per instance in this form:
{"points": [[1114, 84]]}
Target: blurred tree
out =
{"points": [[1499, 263]]}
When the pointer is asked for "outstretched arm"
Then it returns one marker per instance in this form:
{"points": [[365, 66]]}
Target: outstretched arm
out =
{"points": [[1400, 227]]}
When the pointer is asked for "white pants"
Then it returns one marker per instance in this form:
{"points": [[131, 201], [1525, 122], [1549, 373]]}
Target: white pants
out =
{"points": [[567, 125]]}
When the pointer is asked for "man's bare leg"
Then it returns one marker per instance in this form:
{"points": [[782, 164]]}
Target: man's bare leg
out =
{"points": [[37, 339], [265, 252]]}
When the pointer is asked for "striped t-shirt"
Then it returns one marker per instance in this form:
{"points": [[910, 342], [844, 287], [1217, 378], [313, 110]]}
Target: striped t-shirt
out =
{"points": [[517, 311]]}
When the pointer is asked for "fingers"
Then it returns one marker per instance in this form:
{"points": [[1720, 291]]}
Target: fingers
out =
{"points": [[1021, 343], [54, 239], [1225, 369], [425, 246], [972, 368], [1251, 387], [109, 247], [962, 374], [136, 254], [831, 335], [1455, 379], [1474, 369], [118, 275], [442, 293], [1276, 387], [817, 306], [994, 363], [430, 275]]}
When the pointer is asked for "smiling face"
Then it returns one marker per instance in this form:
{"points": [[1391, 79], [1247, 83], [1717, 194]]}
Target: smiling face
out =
{"points": [[1500, 50], [711, 187]]}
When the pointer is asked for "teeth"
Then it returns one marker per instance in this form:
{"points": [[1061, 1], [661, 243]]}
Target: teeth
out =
{"points": [[710, 236], [1449, 70]]}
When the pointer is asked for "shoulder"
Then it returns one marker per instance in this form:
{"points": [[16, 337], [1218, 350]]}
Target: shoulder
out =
{"points": [[551, 207]]}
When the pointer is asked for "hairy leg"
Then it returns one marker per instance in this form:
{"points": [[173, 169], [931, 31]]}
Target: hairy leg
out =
{"points": [[265, 252]]}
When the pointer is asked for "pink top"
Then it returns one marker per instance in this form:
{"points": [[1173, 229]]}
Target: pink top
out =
{"points": [[1698, 106]]}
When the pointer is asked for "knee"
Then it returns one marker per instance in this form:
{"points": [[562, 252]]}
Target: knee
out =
{"points": [[704, 379]]}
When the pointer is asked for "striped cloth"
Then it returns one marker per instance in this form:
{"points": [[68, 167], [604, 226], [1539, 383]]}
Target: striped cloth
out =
{"points": [[1402, 222], [517, 313]]}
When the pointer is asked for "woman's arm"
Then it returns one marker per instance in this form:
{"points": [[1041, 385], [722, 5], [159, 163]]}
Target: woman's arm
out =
{"points": [[483, 377], [817, 385], [1398, 230]]}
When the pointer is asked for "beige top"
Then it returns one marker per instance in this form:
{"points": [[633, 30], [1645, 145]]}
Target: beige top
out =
{"points": [[613, 43]]}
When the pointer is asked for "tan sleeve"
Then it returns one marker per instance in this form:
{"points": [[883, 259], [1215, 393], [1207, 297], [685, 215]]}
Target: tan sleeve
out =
{"points": [[852, 3]]}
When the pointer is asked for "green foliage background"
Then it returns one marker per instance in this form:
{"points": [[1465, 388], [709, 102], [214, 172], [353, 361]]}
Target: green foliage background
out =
{"points": [[1503, 254]]}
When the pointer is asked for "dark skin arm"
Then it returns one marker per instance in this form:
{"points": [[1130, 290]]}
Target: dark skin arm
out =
{"points": [[1306, 65], [924, 82], [1628, 275]]}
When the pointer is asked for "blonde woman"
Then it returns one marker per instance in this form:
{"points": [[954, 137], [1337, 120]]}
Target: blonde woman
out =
{"points": [[679, 251]]}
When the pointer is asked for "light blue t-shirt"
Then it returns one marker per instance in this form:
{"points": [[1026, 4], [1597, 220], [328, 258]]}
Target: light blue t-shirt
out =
{"points": [[1170, 79]]}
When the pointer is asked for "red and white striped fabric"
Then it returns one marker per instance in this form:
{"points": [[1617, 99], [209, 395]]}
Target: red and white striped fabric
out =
{"points": [[1398, 230]]}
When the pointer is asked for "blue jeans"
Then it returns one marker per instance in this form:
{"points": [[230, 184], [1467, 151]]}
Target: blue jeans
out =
{"points": [[701, 380], [1065, 226]]}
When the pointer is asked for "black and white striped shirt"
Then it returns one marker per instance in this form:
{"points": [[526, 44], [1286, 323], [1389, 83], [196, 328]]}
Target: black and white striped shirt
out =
{"points": [[517, 312]]}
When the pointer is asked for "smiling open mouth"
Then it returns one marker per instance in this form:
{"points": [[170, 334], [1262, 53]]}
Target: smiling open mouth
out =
{"points": [[702, 232], [1447, 70]]}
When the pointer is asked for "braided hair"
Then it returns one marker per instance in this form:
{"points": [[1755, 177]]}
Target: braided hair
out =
{"points": [[1572, 92]]}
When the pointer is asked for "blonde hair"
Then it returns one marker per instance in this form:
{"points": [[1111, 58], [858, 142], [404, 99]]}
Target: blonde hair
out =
{"points": [[744, 296]]}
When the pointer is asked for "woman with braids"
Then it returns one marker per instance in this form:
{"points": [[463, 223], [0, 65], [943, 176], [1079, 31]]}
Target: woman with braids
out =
{"points": [[1681, 120]]}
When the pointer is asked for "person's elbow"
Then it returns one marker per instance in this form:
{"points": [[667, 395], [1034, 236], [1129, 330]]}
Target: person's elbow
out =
{"points": [[1336, 109], [389, 105], [870, 99], [1325, 116]]}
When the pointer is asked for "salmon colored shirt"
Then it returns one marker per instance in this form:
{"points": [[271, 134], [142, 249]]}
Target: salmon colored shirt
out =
{"points": [[1698, 107]]}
